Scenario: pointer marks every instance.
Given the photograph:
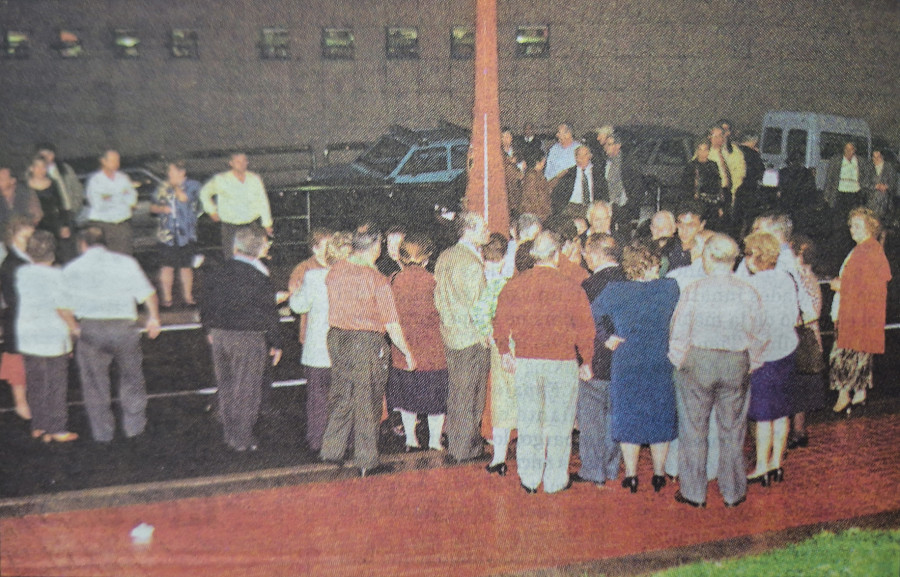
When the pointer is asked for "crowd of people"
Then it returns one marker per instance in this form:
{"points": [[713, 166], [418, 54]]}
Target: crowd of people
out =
{"points": [[638, 337]]}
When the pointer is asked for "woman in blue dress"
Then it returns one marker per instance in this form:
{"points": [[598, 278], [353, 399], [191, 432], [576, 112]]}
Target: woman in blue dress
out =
{"points": [[642, 392]]}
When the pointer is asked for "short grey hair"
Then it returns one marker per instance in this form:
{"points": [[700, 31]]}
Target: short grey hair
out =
{"points": [[721, 248], [527, 220], [469, 221], [364, 240], [546, 243], [780, 225], [250, 240]]}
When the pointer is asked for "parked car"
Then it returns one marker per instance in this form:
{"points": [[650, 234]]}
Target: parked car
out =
{"points": [[406, 176]]}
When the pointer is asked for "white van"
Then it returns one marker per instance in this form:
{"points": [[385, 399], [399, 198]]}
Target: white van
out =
{"points": [[818, 136]]}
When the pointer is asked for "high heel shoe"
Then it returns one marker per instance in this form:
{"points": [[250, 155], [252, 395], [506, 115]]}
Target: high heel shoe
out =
{"points": [[843, 402], [658, 482], [630, 483], [775, 475], [762, 479]]}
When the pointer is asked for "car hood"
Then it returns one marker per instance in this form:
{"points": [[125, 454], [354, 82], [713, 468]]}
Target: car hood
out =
{"points": [[340, 173]]}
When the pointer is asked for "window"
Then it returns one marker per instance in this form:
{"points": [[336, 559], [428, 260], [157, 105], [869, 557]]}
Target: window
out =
{"points": [[462, 43], [671, 152], [402, 43], [796, 142], [338, 44], [533, 41], [426, 160], [459, 156], [274, 44], [126, 43], [68, 43], [16, 44], [385, 155], [771, 142], [642, 152], [832, 144], [183, 43]]}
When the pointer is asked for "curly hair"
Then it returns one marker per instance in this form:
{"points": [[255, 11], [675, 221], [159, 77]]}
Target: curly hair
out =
{"points": [[416, 249], [764, 247], [873, 225], [637, 258], [339, 246]]}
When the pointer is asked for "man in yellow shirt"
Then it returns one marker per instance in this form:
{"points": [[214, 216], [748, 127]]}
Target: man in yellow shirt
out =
{"points": [[236, 198]]}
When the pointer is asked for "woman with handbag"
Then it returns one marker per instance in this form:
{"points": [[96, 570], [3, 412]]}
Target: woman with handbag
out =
{"points": [[859, 310], [808, 391], [770, 384]]}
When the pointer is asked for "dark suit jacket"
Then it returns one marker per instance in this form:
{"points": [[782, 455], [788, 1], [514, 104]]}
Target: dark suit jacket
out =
{"points": [[565, 184], [238, 297], [8, 269]]}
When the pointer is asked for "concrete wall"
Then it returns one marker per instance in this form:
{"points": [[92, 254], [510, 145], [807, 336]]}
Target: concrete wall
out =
{"points": [[677, 62]]}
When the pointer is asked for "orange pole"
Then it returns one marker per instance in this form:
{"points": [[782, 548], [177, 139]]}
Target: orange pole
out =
{"points": [[486, 188]]}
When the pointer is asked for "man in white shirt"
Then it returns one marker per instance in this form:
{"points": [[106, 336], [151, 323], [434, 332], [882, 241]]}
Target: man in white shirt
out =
{"points": [[236, 198], [561, 155], [104, 288], [112, 197]]}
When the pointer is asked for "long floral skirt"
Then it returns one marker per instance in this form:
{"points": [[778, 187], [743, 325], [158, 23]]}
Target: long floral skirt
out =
{"points": [[850, 370]]}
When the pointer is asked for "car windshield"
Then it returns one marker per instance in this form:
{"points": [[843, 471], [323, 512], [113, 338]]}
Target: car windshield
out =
{"points": [[384, 156]]}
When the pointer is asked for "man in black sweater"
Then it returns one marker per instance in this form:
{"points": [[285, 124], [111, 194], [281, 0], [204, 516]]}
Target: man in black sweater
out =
{"points": [[239, 313]]}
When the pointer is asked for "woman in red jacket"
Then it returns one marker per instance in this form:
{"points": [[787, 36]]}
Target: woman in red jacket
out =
{"points": [[859, 311]]}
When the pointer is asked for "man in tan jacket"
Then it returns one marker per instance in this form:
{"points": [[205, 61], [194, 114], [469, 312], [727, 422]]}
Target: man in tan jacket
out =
{"points": [[459, 273]]}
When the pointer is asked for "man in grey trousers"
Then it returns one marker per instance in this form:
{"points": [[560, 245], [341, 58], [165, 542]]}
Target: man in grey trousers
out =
{"points": [[104, 288], [717, 337], [459, 273]]}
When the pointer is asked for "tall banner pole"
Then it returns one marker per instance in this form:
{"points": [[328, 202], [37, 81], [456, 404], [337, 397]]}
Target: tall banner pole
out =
{"points": [[486, 188]]}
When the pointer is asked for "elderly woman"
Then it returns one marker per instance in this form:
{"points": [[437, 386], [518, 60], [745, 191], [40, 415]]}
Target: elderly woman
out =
{"points": [[642, 392], [808, 392], [423, 390], [859, 309], [312, 298], [175, 202], [770, 399]]}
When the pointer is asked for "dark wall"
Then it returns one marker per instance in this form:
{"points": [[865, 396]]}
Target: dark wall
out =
{"points": [[678, 62]]}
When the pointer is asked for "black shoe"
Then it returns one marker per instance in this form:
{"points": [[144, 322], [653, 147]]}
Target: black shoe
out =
{"points": [[528, 490], [630, 483], [775, 475], [337, 462], [798, 442], [376, 470], [736, 503], [498, 469], [576, 478], [658, 482], [679, 498], [761, 479]]}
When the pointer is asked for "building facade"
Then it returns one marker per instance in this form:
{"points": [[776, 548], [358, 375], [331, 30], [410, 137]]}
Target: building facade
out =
{"points": [[165, 76]]}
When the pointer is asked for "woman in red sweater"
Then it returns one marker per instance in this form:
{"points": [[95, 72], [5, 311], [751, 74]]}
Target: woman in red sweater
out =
{"points": [[859, 310]]}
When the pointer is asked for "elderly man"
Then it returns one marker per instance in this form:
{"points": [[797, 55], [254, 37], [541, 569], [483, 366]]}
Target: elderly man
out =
{"points": [[623, 184], [104, 287], [717, 337], [578, 186], [459, 273], [239, 314], [236, 198], [549, 319], [848, 179], [600, 454], [561, 155], [361, 310], [112, 197]]}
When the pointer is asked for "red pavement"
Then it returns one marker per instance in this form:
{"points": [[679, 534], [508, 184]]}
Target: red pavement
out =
{"points": [[452, 521]]}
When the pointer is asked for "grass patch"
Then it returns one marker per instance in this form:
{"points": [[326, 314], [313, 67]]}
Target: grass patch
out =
{"points": [[852, 553]]}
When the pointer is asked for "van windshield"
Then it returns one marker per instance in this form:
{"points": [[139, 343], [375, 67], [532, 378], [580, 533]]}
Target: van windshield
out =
{"points": [[832, 143]]}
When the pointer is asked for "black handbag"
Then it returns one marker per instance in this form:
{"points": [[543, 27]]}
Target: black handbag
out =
{"points": [[808, 356]]}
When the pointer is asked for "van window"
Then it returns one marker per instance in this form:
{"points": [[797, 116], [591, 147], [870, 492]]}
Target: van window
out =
{"points": [[671, 152], [832, 143], [796, 142], [771, 142]]}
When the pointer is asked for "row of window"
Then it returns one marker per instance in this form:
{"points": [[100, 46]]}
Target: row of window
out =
{"points": [[401, 43]]}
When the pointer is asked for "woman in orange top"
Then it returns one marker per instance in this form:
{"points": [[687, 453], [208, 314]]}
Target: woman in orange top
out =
{"points": [[859, 310]]}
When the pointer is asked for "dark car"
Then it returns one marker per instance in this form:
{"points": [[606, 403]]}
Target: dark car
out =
{"points": [[406, 177]]}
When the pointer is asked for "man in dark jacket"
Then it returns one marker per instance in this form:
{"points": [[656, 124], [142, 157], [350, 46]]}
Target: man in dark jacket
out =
{"points": [[239, 314]]}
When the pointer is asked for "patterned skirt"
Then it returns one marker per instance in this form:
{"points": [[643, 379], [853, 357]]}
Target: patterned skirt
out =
{"points": [[850, 370]]}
